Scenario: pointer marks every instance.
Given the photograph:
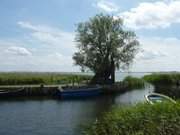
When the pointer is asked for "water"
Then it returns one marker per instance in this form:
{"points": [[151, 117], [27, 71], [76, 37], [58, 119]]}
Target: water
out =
{"points": [[57, 117], [119, 76]]}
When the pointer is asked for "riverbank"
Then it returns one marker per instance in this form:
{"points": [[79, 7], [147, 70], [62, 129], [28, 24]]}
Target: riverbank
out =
{"points": [[52, 90], [29, 91], [41, 90], [141, 119]]}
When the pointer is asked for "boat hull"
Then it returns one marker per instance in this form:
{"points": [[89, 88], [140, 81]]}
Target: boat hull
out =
{"points": [[12, 93], [80, 93]]}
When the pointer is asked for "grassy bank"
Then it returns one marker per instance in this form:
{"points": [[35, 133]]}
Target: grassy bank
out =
{"points": [[163, 79], [142, 119], [41, 78]]}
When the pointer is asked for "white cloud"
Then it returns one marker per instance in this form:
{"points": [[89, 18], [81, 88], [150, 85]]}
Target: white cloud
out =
{"points": [[11, 59], [158, 54], [61, 59], [51, 36], [107, 6], [52, 48], [18, 51], [38, 28], [159, 14], [150, 54]]}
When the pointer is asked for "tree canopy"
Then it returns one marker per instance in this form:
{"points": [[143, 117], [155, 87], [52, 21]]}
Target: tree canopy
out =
{"points": [[104, 46]]}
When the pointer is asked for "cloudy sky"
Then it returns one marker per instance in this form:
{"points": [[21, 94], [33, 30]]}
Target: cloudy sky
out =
{"points": [[38, 35]]}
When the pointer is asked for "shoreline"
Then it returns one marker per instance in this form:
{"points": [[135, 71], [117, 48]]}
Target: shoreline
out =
{"points": [[51, 90]]}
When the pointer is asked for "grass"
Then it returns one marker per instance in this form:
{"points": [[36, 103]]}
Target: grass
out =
{"points": [[141, 119], [163, 79], [129, 83], [15, 78], [134, 82]]}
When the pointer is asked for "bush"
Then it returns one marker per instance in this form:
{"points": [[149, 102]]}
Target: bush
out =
{"points": [[165, 79], [133, 82], [142, 119]]}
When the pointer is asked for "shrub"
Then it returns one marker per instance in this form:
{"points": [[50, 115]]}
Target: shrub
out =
{"points": [[133, 82], [165, 79]]}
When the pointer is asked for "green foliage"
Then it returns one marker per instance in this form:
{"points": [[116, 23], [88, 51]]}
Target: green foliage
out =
{"points": [[41, 78], [104, 45], [162, 79], [134, 82], [142, 119]]}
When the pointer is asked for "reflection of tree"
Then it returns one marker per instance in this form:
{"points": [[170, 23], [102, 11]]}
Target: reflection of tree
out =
{"points": [[86, 111], [105, 103], [172, 91]]}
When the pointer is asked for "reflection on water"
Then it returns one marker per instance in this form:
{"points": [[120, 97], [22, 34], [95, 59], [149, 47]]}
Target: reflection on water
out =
{"points": [[58, 117]]}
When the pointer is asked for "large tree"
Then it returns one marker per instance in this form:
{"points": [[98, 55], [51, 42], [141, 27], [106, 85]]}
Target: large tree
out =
{"points": [[104, 46]]}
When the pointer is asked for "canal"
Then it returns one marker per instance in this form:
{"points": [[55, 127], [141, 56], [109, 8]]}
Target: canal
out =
{"points": [[59, 117]]}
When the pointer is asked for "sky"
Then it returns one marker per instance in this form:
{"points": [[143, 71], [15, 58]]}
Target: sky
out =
{"points": [[38, 35]]}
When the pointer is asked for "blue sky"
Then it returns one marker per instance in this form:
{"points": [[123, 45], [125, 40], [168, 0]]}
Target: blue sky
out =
{"points": [[38, 35]]}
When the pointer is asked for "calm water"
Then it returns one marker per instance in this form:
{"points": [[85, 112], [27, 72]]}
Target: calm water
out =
{"points": [[57, 117]]}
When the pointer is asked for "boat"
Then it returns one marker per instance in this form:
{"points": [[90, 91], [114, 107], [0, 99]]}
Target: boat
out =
{"points": [[158, 98], [11, 93], [79, 92]]}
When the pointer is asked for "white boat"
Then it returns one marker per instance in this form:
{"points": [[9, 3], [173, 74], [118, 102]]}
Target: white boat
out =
{"points": [[156, 98]]}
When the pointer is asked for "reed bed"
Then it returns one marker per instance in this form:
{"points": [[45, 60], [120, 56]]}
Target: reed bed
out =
{"points": [[41, 78], [134, 82], [163, 79], [141, 119]]}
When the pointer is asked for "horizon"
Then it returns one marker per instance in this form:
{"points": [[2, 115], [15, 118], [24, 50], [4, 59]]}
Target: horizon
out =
{"points": [[38, 36], [63, 72]]}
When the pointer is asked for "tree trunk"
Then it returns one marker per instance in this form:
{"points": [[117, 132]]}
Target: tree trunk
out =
{"points": [[113, 75], [112, 71], [101, 78], [106, 75]]}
